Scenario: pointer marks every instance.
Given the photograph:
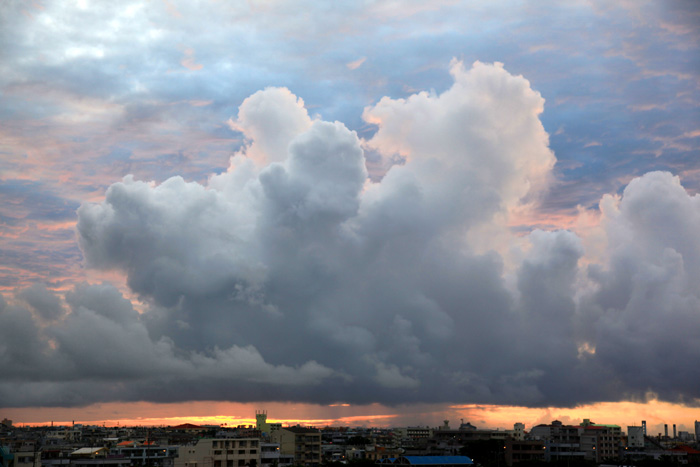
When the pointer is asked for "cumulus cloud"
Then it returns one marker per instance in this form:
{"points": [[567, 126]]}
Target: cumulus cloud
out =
{"points": [[270, 119], [292, 276], [485, 127], [45, 304], [103, 341], [646, 306]]}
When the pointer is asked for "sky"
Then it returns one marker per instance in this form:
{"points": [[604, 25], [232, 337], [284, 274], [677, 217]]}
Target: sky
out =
{"points": [[371, 212]]}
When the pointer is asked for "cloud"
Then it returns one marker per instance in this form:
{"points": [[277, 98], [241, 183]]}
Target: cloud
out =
{"points": [[47, 305], [484, 128], [293, 276], [102, 345], [646, 303], [355, 64], [188, 60], [270, 119]]}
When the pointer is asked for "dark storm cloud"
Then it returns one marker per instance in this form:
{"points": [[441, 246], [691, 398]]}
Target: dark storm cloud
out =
{"points": [[646, 303], [42, 301], [292, 276]]}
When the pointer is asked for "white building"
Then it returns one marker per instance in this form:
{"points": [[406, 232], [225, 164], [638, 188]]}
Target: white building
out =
{"points": [[220, 452], [635, 436]]}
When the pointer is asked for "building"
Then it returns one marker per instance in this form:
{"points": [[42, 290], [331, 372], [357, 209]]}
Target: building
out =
{"points": [[523, 450], [147, 454], [463, 436], [434, 461], [417, 432], [518, 431], [303, 443], [188, 428], [635, 437], [600, 442], [27, 459], [270, 456], [561, 441], [263, 425], [94, 457], [220, 452], [589, 441], [378, 453]]}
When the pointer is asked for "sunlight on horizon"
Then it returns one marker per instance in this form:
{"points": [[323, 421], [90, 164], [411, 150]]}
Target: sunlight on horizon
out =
{"points": [[624, 414]]}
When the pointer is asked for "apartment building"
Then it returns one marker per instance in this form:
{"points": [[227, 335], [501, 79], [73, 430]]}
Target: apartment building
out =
{"points": [[600, 442], [220, 452], [303, 443], [561, 441], [517, 450]]}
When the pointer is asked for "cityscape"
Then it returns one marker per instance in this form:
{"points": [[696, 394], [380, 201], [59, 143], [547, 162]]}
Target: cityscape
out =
{"points": [[274, 444]]}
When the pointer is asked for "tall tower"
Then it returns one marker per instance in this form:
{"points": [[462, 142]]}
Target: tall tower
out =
{"points": [[261, 421], [644, 427], [519, 431]]}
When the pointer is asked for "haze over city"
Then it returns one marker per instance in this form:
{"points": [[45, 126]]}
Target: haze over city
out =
{"points": [[359, 213]]}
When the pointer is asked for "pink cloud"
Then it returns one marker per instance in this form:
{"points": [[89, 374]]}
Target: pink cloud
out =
{"points": [[356, 64], [188, 60]]}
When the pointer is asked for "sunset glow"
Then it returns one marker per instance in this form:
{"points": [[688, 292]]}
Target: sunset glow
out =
{"points": [[229, 414]]}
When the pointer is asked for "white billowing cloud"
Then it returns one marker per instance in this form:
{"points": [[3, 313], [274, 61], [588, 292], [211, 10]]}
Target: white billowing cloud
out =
{"points": [[476, 152], [156, 233], [293, 277], [322, 176], [483, 132], [348, 267], [271, 119]]}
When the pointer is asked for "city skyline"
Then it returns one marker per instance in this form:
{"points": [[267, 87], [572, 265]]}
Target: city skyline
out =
{"points": [[388, 210]]}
